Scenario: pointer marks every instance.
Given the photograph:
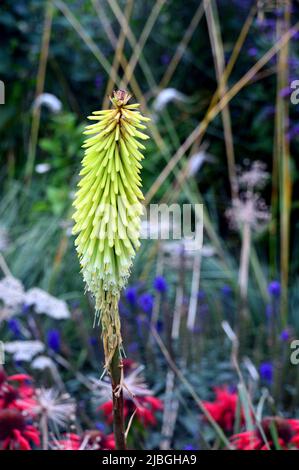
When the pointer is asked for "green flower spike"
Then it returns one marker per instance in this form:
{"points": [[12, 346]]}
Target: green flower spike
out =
{"points": [[108, 209]]}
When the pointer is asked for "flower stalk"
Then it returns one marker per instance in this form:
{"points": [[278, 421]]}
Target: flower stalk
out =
{"points": [[116, 372], [107, 223]]}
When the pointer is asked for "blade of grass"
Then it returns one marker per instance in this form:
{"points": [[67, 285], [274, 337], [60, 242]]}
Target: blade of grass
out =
{"points": [[99, 56], [123, 22], [220, 434], [246, 407], [284, 162], [88, 40], [40, 82], [242, 385], [160, 142], [118, 53], [219, 60], [157, 137], [137, 46], [181, 48], [202, 126]]}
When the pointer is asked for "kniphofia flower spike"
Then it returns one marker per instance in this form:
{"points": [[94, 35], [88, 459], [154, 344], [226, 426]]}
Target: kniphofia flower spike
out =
{"points": [[108, 208]]}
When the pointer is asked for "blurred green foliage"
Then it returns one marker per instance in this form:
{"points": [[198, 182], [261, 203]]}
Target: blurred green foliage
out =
{"points": [[37, 217]]}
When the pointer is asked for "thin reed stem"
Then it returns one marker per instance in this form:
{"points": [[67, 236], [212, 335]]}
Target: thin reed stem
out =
{"points": [[244, 263], [284, 161], [41, 75], [219, 61], [117, 56], [45, 432], [181, 48]]}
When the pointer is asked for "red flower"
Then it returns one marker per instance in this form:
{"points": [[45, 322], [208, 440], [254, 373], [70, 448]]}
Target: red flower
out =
{"points": [[155, 403], [287, 431], [223, 409], [98, 440], [107, 409], [8, 396], [21, 378], [69, 442], [21, 397], [137, 397], [15, 433], [128, 365], [145, 409], [91, 440]]}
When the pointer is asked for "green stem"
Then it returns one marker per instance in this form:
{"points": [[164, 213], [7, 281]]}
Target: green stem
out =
{"points": [[118, 401]]}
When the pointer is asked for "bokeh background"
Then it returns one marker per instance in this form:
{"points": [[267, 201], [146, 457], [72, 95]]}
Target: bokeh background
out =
{"points": [[216, 79]]}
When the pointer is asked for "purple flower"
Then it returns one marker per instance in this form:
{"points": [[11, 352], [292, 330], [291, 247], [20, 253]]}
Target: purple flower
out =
{"points": [[100, 426], [53, 340], [266, 371], [268, 23], [294, 132], [285, 335], [244, 4], [226, 290], [14, 326], [131, 295], [201, 295], [146, 302], [133, 347], [160, 326], [285, 92], [160, 284], [274, 288], [123, 310], [293, 61], [18, 363], [165, 59], [140, 320], [25, 308], [268, 111], [203, 310], [93, 341], [75, 304], [197, 329], [189, 447], [98, 81], [252, 51]]}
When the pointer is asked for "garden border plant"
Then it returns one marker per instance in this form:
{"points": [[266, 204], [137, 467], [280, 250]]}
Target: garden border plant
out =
{"points": [[107, 217]]}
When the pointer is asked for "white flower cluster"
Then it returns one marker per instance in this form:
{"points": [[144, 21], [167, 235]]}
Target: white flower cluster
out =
{"points": [[24, 350], [46, 303], [13, 296], [11, 292]]}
